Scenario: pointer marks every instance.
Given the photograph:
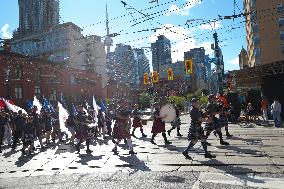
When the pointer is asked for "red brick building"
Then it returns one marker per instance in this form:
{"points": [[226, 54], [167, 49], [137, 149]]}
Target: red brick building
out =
{"points": [[21, 78]]}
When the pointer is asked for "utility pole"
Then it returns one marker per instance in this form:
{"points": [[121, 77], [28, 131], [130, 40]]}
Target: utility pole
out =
{"points": [[219, 64]]}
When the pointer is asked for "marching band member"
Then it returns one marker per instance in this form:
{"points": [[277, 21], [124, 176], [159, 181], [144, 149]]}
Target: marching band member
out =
{"points": [[215, 123], [196, 131], [120, 130], [137, 121], [176, 123], [82, 133], [28, 135], [158, 125]]}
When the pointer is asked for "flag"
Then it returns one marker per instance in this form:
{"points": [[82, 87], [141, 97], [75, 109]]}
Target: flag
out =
{"points": [[103, 107], [30, 104], [2, 104], [37, 104], [86, 111], [51, 108], [87, 105], [14, 108], [45, 105], [63, 100], [63, 116], [96, 109], [74, 110]]}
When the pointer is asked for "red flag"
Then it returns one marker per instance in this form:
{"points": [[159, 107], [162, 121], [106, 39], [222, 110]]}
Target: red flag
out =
{"points": [[2, 104], [11, 102]]}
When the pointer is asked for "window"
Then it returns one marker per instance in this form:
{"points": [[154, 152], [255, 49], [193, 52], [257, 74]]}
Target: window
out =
{"points": [[254, 27], [282, 35], [279, 8], [281, 21], [37, 74], [37, 92], [255, 39], [19, 72], [282, 48], [18, 92], [256, 52]]}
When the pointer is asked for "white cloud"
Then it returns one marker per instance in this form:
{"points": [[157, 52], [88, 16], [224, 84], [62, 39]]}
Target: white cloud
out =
{"points": [[5, 32], [208, 26], [184, 11], [234, 61]]}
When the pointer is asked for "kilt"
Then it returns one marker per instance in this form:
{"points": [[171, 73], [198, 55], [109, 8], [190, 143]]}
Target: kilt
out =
{"points": [[176, 122], [195, 132], [158, 126], [28, 139], [120, 131], [82, 132], [136, 122]]}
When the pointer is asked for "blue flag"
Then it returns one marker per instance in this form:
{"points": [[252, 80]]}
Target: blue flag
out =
{"points": [[74, 110], [30, 104], [103, 107]]}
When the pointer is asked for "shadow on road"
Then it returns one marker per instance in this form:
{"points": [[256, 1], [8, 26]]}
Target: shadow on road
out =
{"points": [[133, 162]]}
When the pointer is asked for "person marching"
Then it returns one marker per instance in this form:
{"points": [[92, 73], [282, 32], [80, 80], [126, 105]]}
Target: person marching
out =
{"points": [[137, 121], [82, 129], [101, 123], [120, 129], [18, 127], [158, 125], [225, 112], [215, 123], [28, 135], [176, 123], [38, 125], [2, 127], [196, 131]]}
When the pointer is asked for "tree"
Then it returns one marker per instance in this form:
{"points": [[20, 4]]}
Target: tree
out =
{"points": [[178, 100], [144, 100]]}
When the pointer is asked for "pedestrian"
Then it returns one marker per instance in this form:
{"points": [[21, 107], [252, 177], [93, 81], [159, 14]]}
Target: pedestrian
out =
{"points": [[176, 123], [28, 135], [158, 125], [214, 124], [47, 126], [108, 123], [137, 122], [101, 123], [120, 129], [276, 111], [18, 127], [38, 125], [2, 128], [82, 131], [264, 106], [196, 131]]}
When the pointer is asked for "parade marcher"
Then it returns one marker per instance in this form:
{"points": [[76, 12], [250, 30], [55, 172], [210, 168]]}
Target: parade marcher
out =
{"points": [[196, 131], [2, 128], [214, 123], [8, 131], [28, 135], [120, 129], [137, 121], [47, 126], [56, 132], [108, 123], [225, 112], [176, 123], [276, 111], [18, 127], [38, 125], [82, 131], [158, 125], [101, 123]]}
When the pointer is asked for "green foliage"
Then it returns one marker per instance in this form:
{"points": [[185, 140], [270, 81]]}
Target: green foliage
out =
{"points": [[200, 96], [178, 100], [144, 100]]}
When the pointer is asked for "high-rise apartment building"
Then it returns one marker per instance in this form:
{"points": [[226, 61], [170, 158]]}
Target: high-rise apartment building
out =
{"points": [[265, 31], [36, 16], [161, 52]]}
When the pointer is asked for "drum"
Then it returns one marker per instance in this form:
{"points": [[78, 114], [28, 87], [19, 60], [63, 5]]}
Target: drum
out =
{"points": [[168, 110]]}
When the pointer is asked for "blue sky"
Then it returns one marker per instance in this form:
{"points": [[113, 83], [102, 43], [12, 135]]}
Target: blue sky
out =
{"points": [[174, 14]]}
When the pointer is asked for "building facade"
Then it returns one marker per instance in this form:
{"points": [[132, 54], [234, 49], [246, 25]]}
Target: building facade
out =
{"points": [[161, 52], [22, 78], [36, 16], [265, 31], [141, 65], [243, 59]]}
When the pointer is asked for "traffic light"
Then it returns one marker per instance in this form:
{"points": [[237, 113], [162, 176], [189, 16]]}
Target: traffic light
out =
{"points": [[146, 79], [188, 66], [155, 77], [170, 74]]}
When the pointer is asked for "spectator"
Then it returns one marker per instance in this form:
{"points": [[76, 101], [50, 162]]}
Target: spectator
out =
{"points": [[276, 111]]}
